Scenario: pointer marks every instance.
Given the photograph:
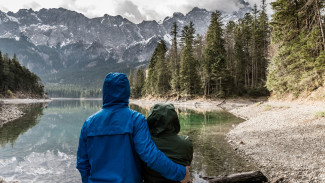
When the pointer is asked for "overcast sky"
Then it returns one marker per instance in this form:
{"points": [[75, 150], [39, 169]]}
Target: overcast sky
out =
{"points": [[134, 10]]}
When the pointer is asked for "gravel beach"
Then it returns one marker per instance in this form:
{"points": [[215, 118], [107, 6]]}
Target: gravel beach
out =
{"points": [[10, 109], [285, 139], [9, 113]]}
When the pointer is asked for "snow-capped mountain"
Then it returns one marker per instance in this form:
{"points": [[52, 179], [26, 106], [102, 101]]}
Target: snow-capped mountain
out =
{"points": [[49, 41]]}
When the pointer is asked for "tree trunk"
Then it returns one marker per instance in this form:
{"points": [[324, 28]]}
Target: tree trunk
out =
{"points": [[251, 177], [320, 24]]}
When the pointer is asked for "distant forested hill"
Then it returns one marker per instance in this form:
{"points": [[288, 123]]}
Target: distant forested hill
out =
{"points": [[17, 80]]}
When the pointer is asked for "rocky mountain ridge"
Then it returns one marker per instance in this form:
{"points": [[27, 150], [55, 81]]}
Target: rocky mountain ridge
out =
{"points": [[52, 41]]}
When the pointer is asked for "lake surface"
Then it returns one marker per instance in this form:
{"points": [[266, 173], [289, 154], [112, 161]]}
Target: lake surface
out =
{"points": [[42, 145]]}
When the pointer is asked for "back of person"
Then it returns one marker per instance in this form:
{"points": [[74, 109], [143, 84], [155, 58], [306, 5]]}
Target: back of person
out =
{"points": [[164, 127], [113, 140], [110, 149]]}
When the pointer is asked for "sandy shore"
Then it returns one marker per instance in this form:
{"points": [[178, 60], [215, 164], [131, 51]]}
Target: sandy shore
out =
{"points": [[285, 139]]}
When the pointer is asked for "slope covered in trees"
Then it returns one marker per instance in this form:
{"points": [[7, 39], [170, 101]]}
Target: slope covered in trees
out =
{"points": [[228, 60], [15, 78], [298, 64]]}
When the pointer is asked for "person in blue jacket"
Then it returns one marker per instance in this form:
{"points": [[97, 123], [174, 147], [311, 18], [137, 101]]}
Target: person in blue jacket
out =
{"points": [[113, 140]]}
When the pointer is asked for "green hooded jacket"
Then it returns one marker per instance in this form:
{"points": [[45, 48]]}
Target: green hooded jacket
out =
{"points": [[164, 127]]}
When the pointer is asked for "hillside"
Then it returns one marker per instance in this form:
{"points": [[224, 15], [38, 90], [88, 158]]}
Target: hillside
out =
{"points": [[17, 80]]}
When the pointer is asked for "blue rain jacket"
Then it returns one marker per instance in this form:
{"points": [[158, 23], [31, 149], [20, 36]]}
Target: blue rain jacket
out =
{"points": [[113, 140]]}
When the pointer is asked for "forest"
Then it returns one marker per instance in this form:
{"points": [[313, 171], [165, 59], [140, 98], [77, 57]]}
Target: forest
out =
{"points": [[17, 80], [254, 56], [250, 57], [230, 60]]}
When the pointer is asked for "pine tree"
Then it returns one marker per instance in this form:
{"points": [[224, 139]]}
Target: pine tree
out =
{"points": [[158, 80], [1, 73], [174, 60], [161, 70], [139, 83], [264, 37], [215, 67], [189, 80], [297, 65], [229, 45], [15, 77], [151, 77], [131, 79]]}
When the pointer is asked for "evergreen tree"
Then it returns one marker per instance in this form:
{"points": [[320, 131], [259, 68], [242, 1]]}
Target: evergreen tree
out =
{"points": [[161, 69], [158, 80], [297, 35], [229, 45], [174, 60], [131, 80], [1, 73], [189, 80], [264, 37], [151, 77], [215, 67], [139, 83], [15, 77]]}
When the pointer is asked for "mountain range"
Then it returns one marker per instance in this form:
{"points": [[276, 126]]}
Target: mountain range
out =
{"points": [[66, 47]]}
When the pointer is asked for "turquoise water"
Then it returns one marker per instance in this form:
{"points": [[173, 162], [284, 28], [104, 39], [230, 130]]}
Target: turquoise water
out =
{"points": [[41, 146]]}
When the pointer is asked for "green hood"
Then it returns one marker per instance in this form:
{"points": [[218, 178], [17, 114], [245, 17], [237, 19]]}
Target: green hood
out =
{"points": [[163, 119]]}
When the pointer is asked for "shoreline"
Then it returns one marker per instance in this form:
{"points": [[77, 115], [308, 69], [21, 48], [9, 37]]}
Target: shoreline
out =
{"points": [[201, 104], [11, 110], [285, 139]]}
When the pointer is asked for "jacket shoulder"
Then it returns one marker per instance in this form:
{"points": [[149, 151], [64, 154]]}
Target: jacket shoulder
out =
{"points": [[91, 117], [136, 115]]}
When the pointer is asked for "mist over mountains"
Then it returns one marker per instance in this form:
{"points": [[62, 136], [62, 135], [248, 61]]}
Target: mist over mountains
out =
{"points": [[66, 47]]}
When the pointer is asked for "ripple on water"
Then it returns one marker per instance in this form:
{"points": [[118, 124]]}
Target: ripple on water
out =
{"points": [[41, 167]]}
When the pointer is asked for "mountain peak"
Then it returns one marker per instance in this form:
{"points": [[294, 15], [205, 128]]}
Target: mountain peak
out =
{"points": [[178, 15], [197, 9]]}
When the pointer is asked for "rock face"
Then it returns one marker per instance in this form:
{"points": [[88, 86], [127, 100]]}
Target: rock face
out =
{"points": [[51, 40]]}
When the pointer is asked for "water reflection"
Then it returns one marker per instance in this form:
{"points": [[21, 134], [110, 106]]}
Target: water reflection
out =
{"points": [[11, 131], [43, 143], [212, 154]]}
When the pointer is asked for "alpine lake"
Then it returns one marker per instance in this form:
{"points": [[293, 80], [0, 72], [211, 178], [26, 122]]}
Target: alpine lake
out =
{"points": [[41, 146]]}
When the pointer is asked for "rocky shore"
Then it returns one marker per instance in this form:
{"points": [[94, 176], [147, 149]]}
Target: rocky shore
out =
{"points": [[199, 104], [9, 113], [11, 109], [285, 139]]}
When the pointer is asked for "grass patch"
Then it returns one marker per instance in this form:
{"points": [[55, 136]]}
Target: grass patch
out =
{"points": [[268, 107], [320, 114]]}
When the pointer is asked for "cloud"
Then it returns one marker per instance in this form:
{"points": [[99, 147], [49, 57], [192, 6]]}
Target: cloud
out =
{"points": [[4, 9], [130, 11], [34, 5], [211, 5], [74, 5], [152, 15]]}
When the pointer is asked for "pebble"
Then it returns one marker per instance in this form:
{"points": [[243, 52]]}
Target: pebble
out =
{"points": [[282, 141], [9, 113]]}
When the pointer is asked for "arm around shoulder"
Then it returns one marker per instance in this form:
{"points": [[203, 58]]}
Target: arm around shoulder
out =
{"points": [[151, 155]]}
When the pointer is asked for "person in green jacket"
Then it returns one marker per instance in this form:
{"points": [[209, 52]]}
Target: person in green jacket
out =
{"points": [[164, 127]]}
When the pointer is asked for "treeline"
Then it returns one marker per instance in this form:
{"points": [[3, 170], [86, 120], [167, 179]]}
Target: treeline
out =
{"points": [[226, 61], [72, 91], [298, 38], [17, 79]]}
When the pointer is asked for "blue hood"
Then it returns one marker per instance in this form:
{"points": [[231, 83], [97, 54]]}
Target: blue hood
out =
{"points": [[116, 89]]}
